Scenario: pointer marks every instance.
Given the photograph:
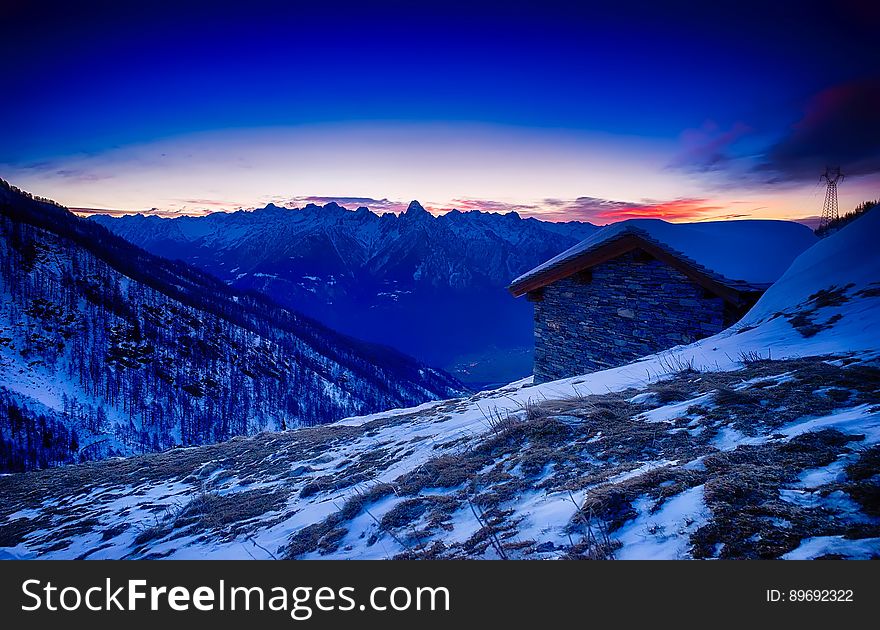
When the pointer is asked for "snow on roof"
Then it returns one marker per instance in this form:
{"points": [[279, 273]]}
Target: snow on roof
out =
{"points": [[756, 252]]}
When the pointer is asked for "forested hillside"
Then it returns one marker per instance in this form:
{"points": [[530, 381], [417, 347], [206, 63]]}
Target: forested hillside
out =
{"points": [[108, 350]]}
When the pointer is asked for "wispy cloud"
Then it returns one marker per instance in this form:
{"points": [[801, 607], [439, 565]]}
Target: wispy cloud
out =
{"points": [[672, 210], [490, 205], [85, 212], [216, 203], [840, 127], [376, 205], [56, 169], [82, 175], [709, 148], [598, 210], [601, 211]]}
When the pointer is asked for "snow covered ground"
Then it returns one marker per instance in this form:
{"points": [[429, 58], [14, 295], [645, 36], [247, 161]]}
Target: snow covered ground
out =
{"points": [[760, 442]]}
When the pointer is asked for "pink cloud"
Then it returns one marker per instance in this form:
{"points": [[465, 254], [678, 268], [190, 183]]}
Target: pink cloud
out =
{"points": [[674, 210], [376, 205], [601, 211], [86, 212], [840, 127]]}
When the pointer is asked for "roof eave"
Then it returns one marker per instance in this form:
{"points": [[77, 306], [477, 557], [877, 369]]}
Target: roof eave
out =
{"points": [[734, 294]]}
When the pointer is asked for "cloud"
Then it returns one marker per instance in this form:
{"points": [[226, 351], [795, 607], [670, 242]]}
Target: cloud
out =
{"points": [[179, 207], [376, 205], [86, 212], [490, 205], [54, 169], [840, 127], [586, 208], [81, 175], [598, 210], [672, 210], [594, 209], [217, 203], [709, 147]]}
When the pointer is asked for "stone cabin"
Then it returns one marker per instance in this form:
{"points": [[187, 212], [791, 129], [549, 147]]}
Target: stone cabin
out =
{"points": [[641, 286]]}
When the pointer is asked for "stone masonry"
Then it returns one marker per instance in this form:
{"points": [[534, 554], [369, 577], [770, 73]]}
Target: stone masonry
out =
{"points": [[618, 311]]}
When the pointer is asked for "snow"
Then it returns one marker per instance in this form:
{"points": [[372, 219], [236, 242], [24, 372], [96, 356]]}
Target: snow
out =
{"points": [[28, 513], [810, 548], [664, 534], [848, 256], [753, 251], [669, 413], [857, 420], [546, 516], [642, 469], [728, 439], [838, 500], [816, 477], [645, 398]]}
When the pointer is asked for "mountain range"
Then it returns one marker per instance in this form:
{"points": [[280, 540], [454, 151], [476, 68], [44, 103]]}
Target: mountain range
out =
{"points": [[106, 349], [430, 286]]}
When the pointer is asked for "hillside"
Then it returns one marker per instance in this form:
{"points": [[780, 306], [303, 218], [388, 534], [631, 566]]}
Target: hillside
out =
{"points": [[760, 442], [385, 278], [107, 350]]}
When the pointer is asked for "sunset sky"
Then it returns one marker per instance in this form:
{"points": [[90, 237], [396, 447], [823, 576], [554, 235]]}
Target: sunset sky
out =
{"points": [[555, 112]]}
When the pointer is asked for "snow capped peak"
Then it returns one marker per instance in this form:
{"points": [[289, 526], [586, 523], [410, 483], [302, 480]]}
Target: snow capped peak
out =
{"points": [[333, 207], [415, 209]]}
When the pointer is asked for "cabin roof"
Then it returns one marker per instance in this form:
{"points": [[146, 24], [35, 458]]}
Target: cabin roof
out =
{"points": [[726, 257]]}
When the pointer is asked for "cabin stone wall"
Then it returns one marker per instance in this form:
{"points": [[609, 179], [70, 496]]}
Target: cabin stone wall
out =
{"points": [[618, 311]]}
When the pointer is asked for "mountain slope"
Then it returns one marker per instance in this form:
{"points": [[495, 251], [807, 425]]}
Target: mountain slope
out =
{"points": [[384, 278], [108, 350], [712, 450]]}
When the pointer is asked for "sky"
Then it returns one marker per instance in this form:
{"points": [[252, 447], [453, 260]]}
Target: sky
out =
{"points": [[587, 112]]}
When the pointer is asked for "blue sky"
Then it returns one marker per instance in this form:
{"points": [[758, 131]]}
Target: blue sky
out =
{"points": [[543, 108]]}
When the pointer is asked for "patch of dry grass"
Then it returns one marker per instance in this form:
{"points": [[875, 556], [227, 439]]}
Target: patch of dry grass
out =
{"points": [[742, 490]]}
